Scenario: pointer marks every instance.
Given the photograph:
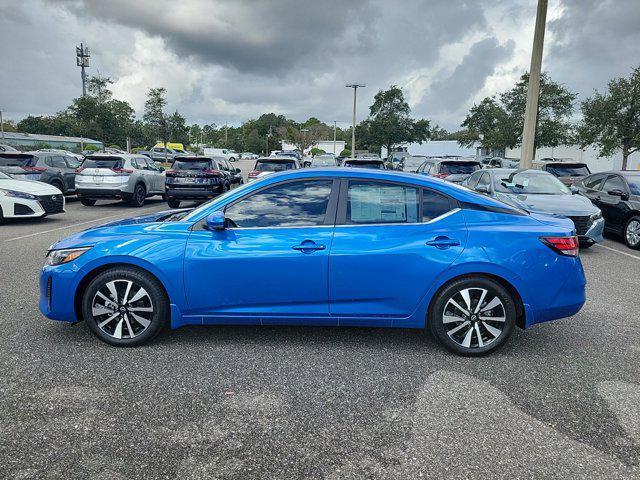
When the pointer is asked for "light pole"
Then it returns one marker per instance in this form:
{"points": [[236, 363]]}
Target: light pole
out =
{"points": [[334, 138], [531, 111], [1, 126], [355, 87]]}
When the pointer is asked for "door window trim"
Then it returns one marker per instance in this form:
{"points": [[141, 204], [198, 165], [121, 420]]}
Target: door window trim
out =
{"points": [[329, 216]]}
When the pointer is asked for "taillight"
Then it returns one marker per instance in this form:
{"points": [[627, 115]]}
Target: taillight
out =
{"points": [[79, 169], [121, 170], [171, 172], [568, 246], [440, 175], [212, 172], [34, 169]]}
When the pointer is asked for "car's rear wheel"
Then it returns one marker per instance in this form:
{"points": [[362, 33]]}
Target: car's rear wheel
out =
{"points": [[58, 185], [88, 202], [473, 316], [125, 307], [139, 196], [632, 233], [173, 203]]}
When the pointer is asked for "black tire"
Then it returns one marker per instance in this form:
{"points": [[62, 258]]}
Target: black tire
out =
{"points": [[232, 159], [158, 318], [58, 185], [139, 196], [453, 338], [630, 240], [88, 202], [586, 245], [1, 216], [173, 203]]}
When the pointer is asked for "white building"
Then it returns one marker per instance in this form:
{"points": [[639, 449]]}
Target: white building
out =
{"points": [[588, 156], [435, 148], [326, 145]]}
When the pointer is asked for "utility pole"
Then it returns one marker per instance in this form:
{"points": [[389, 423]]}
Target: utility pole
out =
{"points": [[355, 87], [225, 135], [1, 126], [334, 137], [531, 112], [82, 61]]}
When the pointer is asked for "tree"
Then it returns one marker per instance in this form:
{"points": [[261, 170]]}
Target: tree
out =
{"points": [[158, 121], [389, 122], [497, 122], [611, 121]]}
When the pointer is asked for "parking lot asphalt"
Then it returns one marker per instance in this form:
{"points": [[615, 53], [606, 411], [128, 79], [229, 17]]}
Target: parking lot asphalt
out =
{"points": [[559, 401]]}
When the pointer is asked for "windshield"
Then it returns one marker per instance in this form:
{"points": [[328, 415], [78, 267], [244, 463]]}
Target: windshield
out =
{"points": [[323, 162], [364, 164], [634, 184], [102, 163], [196, 165], [530, 183], [9, 160], [459, 168], [274, 165], [577, 170], [412, 162]]}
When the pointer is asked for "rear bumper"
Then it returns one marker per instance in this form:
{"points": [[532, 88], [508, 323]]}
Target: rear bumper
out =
{"points": [[192, 193], [101, 193]]}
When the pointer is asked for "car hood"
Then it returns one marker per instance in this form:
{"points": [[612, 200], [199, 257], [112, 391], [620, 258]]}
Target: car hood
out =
{"points": [[28, 186], [568, 205], [152, 217]]}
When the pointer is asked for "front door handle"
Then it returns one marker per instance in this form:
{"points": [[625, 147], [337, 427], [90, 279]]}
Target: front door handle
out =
{"points": [[308, 246], [442, 242]]}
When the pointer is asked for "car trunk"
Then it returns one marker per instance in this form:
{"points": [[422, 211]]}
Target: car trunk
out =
{"points": [[190, 172], [101, 171], [20, 166]]}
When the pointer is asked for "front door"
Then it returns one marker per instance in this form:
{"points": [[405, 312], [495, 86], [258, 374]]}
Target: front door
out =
{"points": [[614, 210], [270, 265], [390, 243]]}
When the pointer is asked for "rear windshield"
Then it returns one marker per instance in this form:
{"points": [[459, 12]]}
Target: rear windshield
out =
{"points": [[13, 160], [323, 162], [111, 162], [364, 164], [568, 170], [274, 165], [412, 162], [191, 165], [459, 168]]}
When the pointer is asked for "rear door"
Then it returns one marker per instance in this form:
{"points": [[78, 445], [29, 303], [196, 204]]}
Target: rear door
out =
{"points": [[391, 241]]}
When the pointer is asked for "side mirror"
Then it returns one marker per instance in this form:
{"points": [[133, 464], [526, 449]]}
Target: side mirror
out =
{"points": [[238, 170], [482, 188], [216, 221], [574, 190], [161, 169], [617, 193]]}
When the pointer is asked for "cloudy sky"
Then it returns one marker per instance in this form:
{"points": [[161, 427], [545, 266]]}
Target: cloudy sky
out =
{"points": [[230, 60]]}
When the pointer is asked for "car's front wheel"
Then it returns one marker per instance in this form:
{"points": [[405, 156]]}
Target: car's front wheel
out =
{"points": [[125, 307], [632, 233], [473, 316]]}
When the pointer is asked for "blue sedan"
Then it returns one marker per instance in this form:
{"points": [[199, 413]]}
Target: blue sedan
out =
{"points": [[347, 247]]}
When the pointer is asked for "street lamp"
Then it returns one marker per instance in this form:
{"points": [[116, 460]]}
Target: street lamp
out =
{"points": [[355, 87]]}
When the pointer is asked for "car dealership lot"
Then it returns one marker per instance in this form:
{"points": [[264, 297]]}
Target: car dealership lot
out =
{"points": [[257, 402]]}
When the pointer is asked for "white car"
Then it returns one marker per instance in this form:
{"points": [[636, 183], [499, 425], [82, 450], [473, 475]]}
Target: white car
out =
{"points": [[229, 155], [28, 198]]}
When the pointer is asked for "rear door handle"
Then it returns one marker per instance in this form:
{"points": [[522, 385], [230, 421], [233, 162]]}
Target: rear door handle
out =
{"points": [[443, 242], [308, 246]]}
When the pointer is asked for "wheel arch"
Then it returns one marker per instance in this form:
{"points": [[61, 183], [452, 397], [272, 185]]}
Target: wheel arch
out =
{"points": [[521, 315], [89, 276]]}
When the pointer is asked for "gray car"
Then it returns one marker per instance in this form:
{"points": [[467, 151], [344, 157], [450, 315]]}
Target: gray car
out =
{"points": [[56, 169], [537, 191], [128, 177]]}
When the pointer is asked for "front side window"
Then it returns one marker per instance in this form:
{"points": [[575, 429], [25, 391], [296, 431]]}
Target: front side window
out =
{"points": [[381, 202], [614, 183], [293, 204], [593, 182]]}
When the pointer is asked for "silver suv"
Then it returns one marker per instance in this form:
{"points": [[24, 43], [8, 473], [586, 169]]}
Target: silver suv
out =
{"points": [[132, 178]]}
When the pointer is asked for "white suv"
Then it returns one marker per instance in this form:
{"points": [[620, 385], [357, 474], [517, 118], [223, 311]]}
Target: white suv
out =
{"points": [[128, 177]]}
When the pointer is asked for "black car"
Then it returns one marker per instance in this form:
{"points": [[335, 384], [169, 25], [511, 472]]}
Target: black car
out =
{"points": [[56, 169], [233, 174], [617, 194], [452, 169], [195, 178], [378, 164]]}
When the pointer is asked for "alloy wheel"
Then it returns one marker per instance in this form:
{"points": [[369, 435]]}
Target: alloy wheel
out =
{"points": [[122, 309], [633, 233], [474, 317]]}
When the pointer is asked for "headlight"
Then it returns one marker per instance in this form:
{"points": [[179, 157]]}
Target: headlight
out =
{"points": [[13, 193], [596, 216], [58, 257]]}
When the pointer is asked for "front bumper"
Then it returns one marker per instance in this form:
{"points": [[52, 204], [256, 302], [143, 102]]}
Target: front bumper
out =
{"points": [[34, 208], [57, 287], [593, 233]]}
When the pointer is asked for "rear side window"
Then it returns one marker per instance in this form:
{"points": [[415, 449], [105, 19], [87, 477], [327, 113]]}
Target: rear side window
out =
{"points": [[434, 204], [58, 162], [381, 202], [293, 204]]}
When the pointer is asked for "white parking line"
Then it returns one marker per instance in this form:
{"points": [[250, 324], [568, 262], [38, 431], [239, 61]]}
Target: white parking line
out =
{"points": [[618, 251], [74, 225]]}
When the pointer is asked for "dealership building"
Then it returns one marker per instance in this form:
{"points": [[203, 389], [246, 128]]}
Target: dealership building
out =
{"points": [[30, 141]]}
